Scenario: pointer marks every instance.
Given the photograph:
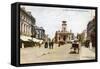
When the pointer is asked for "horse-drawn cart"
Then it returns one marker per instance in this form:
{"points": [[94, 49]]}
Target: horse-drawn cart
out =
{"points": [[75, 47]]}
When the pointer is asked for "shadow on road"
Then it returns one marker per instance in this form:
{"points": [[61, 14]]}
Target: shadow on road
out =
{"points": [[73, 52]]}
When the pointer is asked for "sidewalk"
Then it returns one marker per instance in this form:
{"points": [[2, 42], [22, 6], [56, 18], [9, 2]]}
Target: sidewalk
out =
{"points": [[35, 50], [86, 54]]}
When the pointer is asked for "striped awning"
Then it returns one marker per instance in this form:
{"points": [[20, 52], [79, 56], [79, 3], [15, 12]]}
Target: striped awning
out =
{"points": [[25, 38]]}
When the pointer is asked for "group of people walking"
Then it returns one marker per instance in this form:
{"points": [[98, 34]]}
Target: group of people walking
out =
{"points": [[49, 44]]}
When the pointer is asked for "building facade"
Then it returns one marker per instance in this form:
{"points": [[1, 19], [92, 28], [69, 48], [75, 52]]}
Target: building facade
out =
{"points": [[83, 37], [63, 36], [91, 31], [40, 33], [27, 22]]}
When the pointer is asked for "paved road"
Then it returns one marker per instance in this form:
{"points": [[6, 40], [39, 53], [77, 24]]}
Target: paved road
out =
{"points": [[36, 54]]}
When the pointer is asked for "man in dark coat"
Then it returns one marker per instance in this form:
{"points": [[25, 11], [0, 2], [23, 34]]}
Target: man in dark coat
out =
{"points": [[46, 44], [52, 44]]}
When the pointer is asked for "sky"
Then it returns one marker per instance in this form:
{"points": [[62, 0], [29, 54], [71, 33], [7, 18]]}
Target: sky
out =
{"points": [[50, 18]]}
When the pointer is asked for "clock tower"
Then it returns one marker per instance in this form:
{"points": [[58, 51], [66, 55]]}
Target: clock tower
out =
{"points": [[64, 26]]}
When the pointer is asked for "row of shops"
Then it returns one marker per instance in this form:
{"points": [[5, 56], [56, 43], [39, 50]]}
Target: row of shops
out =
{"points": [[91, 32], [26, 41], [30, 34], [88, 36]]}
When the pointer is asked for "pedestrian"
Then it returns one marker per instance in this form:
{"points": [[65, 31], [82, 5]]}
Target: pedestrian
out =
{"points": [[52, 43], [90, 45], [49, 44], [39, 45], [58, 44], [46, 45]]}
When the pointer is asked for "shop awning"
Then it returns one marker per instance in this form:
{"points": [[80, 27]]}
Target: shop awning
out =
{"points": [[37, 40], [25, 38]]}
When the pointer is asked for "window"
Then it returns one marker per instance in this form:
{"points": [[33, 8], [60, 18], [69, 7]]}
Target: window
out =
{"points": [[21, 24], [24, 28]]}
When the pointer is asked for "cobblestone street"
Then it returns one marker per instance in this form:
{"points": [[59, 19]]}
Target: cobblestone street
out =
{"points": [[62, 53]]}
